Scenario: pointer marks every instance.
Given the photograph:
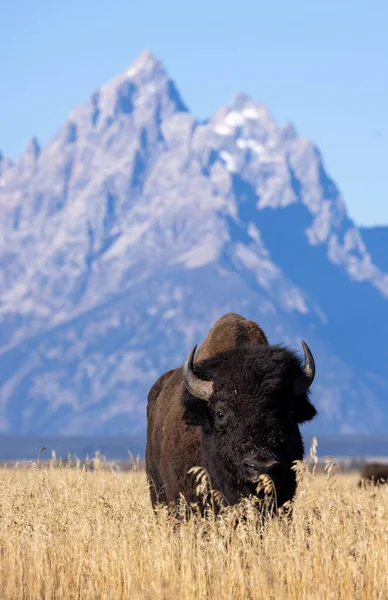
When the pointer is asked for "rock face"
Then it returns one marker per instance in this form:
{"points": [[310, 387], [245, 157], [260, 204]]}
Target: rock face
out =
{"points": [[137, 226], [5, 164]]}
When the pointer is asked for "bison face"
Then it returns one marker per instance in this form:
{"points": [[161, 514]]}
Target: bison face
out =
{"points": [[249, 403]]}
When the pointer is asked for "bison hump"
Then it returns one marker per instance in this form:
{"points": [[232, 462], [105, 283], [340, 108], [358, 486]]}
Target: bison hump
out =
{"points": [[230, 331]]}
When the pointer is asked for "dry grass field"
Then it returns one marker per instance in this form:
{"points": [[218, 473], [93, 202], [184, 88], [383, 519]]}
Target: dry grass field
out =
{"points": [[75, 533]]}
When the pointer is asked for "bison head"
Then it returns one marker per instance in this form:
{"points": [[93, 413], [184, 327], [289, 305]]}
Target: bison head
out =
{"points": [[249, 402]]}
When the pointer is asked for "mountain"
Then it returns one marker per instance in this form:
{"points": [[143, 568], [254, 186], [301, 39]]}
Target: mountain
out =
{"points": [[376, 240], [137, 226], [5, 164]]}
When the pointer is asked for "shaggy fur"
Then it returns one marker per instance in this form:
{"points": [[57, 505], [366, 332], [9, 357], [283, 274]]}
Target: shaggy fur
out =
{"points": [[253, 391]]}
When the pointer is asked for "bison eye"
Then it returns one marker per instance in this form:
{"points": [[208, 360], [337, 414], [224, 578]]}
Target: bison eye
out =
{"points": [[221, 414]]}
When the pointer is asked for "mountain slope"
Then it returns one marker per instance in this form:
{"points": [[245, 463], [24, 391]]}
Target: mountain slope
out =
{"points": [[137, 226], [376, 240], [5, 164]]}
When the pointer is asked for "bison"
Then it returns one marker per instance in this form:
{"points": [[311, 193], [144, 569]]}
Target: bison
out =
{"points": [[233, 408], [374, 473]]}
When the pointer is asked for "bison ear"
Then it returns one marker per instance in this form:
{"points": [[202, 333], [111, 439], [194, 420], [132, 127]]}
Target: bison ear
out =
{"points": [[304, 410], [195, 411]]}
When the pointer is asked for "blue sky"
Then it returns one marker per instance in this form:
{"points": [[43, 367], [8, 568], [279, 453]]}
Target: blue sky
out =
{"points": [[321, 64]]}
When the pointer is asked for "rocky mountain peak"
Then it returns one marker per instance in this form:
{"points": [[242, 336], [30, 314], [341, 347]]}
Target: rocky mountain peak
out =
{"points": [[5, 164], [136, 226], [146, 66]]}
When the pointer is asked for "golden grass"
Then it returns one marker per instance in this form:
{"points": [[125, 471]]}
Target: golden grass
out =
{"points": [[69, 533]]}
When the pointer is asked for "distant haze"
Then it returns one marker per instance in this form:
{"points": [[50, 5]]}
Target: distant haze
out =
{"points": [[14, 447]]}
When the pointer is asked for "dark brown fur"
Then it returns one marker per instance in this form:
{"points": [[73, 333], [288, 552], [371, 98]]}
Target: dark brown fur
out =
{"points": [[235, 353], [230, 331], [374, 473]]}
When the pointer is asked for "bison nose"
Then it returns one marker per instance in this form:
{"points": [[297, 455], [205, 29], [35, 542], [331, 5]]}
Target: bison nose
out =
{"points": [[253, 468]]}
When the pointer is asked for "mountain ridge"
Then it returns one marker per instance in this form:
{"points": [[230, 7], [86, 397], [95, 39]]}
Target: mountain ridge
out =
{"points": [[376, 239], [137, 225]]}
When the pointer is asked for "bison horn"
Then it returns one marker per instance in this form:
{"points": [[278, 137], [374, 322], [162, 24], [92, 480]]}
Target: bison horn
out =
{"points": [[197, 387], [303, 382]]}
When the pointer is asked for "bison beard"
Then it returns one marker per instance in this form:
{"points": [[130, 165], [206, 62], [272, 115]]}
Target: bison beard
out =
{"points": [[236, 413]]}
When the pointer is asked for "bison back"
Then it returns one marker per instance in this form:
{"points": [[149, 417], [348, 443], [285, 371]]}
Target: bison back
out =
{"points": [[374, 473]]}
